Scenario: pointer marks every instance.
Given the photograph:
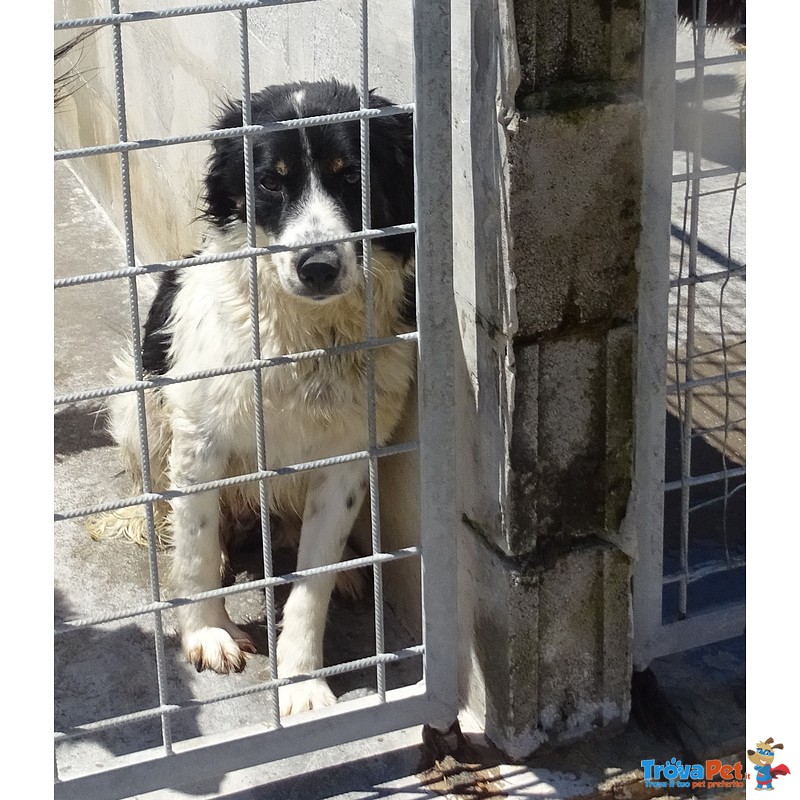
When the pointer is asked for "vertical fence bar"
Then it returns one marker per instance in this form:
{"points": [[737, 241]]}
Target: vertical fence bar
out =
{"points": [[723, 341], [651, 354], [437, 348], [369, 315], [699, 30], [255, 334], [133, 297]]}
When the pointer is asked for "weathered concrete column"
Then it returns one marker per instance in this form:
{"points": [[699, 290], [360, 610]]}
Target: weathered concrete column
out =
{"points": [[545, 600]]}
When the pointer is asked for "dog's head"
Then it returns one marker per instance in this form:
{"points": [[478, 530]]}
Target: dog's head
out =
{"points": [[308, 183]]}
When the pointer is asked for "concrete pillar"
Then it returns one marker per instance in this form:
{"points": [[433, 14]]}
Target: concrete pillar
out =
{"points": [[545, 592]]}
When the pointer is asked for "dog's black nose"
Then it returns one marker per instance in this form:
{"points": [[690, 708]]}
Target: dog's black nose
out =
{"points": [[318, 269]]}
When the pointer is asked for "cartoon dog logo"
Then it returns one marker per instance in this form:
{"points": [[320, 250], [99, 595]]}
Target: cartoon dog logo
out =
{"points": [[762, 757]]}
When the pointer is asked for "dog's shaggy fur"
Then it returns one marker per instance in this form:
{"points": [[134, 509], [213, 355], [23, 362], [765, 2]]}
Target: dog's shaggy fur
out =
{"points": [[307, 188]]}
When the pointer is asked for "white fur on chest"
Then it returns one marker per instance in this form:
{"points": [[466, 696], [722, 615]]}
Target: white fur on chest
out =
{"points": [[312, 408]]}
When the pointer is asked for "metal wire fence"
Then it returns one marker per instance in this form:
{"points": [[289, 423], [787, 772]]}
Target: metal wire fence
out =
{"points": [[432, 428], [705, 473], [688, 587]]}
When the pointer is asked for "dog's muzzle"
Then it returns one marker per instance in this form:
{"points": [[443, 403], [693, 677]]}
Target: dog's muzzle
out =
{"points": [[318, 270]]}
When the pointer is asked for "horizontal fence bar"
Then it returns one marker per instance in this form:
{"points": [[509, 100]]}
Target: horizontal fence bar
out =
{"points": [[702, 174], [729, 109], [722, 275], [698, 630], [157, 382], [710, 380], [704, 572], [700, 480], [234, 255], [723, 190], [699, 432], [224, 483], [200, 757], [168, 13], [723, 498], [79, 731], [710, 62], [230, 133], [239, 588], [704, 353], [712, 254]]}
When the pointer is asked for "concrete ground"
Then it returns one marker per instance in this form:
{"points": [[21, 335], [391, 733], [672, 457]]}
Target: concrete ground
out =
{"points": [[108, 669]]}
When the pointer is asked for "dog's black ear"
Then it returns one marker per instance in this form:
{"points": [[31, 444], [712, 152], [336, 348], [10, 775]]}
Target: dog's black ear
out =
{"points": [[392, 167], [224, 182]]}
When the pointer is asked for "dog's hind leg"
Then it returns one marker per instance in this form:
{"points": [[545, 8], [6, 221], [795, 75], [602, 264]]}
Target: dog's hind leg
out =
{"points": [[210, 640], [350, 583], [334, 497], [123, 424]]}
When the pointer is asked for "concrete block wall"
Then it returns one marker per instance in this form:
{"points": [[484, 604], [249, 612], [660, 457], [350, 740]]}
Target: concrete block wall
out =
{"points": [[545, 587], [545, 662], [578, 44], [575, 178], [571, 445]]}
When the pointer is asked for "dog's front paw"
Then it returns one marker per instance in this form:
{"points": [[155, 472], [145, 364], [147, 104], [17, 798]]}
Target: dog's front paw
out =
{"points": [[218, 649], [305, 696]]}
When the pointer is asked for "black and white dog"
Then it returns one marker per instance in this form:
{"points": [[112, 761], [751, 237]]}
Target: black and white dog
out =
{"points": [[307, 188]]}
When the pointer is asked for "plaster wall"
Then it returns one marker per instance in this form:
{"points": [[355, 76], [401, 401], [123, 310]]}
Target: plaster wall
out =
{"points": [[178, 74]]}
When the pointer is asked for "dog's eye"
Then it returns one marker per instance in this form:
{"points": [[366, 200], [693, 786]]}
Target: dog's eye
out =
{"points": [[272, 183], [353, 175]]}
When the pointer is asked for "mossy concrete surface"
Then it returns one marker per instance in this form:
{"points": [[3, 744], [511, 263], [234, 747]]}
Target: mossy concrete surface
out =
{"points": [[578, 40], [575, 183], [545, 643], [571, 449], [552, 626]]}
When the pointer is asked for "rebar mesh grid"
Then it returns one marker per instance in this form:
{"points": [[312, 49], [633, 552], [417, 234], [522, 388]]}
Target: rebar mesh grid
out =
{"points": [[167, 707], [705, 476]]}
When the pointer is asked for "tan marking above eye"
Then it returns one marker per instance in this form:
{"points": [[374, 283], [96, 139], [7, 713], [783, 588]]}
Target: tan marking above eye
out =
{"points": [[337, 165], [281, 168]]}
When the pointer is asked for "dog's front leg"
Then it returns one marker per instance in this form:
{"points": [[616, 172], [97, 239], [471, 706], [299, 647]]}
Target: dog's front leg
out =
{"points": [[210, 640], [334, 497]]}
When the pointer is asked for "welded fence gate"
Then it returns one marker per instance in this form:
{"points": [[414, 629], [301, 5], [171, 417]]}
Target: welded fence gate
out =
{"points": [[689, 587], [178, 760]]}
